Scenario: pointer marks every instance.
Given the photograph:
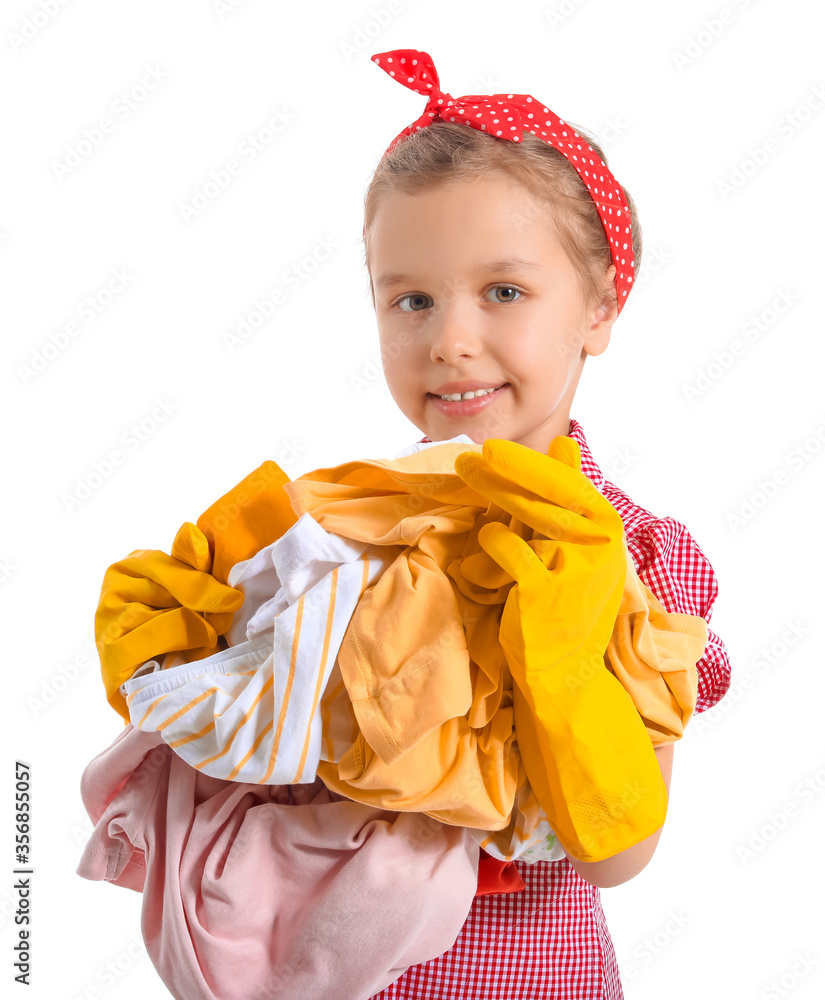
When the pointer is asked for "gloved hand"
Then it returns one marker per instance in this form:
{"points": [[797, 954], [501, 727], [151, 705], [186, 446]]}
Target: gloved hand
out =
{"points": [[584, 746], [152, 603]]}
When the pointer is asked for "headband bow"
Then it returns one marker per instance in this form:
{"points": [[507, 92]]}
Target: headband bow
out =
{"points": [[505, 116]]}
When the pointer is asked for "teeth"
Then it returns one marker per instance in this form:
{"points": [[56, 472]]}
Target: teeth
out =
{"points": [[455, 396]]}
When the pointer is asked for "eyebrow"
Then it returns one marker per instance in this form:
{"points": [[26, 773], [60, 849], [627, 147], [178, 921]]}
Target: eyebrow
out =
{"points": [[501, 264]]}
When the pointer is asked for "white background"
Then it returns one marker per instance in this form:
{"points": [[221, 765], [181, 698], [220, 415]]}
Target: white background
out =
{"points": [[686, 100]]}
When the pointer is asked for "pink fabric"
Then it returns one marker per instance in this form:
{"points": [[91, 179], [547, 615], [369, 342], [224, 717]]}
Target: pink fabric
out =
{"points": [[270, 891]]}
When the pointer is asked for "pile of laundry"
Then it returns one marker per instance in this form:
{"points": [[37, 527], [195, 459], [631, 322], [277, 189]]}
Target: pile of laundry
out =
{"points": [[321, 732]]}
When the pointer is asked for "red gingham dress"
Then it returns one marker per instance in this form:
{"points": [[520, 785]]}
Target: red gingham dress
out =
{"points": [[550, 940]]}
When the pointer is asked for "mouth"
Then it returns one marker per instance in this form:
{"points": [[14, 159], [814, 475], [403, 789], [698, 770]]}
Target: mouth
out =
{"points": [[466, 407]]}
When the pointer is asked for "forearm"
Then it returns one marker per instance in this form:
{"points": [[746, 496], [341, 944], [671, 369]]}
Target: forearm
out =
{"points": [[623, 866]]}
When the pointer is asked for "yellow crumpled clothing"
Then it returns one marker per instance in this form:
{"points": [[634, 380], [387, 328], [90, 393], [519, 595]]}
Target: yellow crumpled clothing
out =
{"points": [[422, 669], [419, 710], [654, 652]]}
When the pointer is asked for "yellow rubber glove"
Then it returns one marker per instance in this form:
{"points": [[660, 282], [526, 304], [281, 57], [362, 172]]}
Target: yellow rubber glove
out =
{"points": [[152, 603], [584, 746]]}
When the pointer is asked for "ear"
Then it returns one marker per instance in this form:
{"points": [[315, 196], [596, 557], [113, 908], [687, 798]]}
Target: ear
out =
{"points": [[602, 317]]}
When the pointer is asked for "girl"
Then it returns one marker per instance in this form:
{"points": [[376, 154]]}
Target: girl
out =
{"points": [[500, 251], [446, 208]]}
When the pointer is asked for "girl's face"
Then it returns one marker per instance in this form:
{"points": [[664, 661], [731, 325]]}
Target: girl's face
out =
{"points": [[471, 287]]}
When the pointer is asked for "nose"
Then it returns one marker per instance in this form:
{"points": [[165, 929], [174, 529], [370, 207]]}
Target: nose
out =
{"points": [[454, 332]]}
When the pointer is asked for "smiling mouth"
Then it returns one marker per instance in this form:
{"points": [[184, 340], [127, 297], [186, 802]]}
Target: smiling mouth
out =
{"points": [[466, 407], [466, 397]]}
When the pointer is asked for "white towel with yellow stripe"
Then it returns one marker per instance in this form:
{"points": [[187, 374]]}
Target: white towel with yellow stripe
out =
{"points": [[252, 712]]}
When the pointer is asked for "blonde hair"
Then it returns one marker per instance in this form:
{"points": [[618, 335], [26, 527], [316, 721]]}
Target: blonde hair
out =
{"points": [[445, 151]]}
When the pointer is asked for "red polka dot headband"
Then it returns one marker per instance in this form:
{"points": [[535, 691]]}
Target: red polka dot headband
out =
{"points": [[504, 116]]}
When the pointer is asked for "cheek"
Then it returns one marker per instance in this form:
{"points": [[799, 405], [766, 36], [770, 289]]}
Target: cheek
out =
{"points": [[399, 356], [397, 372]]}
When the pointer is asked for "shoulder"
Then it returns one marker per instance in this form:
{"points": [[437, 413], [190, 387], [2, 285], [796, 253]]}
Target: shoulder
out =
{"points": [[671, 563], [665, 550]]}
